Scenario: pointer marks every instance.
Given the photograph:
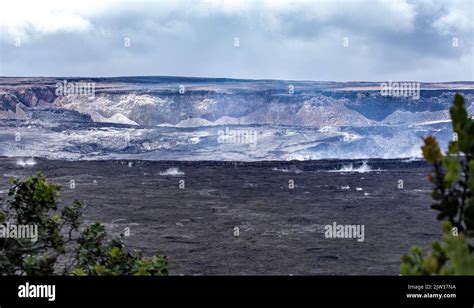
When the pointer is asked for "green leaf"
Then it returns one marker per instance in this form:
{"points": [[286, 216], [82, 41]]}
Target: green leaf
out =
{"points": [[458, 113], [453, 168], [431, 150]]}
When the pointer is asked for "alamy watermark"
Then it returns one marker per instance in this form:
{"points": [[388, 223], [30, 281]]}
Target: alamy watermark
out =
{"points": [[66, 88], [345, 231], [239, 136], [28, 290], [9, 230], [400, 89]]}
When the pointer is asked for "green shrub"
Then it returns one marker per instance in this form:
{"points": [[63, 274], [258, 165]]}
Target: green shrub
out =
{"points": [[453, 257], [62, 247], [453, 178]]}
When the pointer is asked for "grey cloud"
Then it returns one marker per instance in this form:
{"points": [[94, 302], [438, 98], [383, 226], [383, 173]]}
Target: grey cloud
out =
{"points": [[288, 43]]}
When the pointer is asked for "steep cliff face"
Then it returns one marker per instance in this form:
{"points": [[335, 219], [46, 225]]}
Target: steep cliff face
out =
{"points": [[317, 109], [151, 118], [202, 102], [215, 109], [14, 97]]}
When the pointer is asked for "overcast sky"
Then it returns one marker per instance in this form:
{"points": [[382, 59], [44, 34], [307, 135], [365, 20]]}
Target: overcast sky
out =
{"points": [[298, 40]]}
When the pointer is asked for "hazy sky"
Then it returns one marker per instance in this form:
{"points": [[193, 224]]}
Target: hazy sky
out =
{"points": [[307, 39]]}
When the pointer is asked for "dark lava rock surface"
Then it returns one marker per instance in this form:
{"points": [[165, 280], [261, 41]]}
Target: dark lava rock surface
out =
{"points": [[281, 230]]}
